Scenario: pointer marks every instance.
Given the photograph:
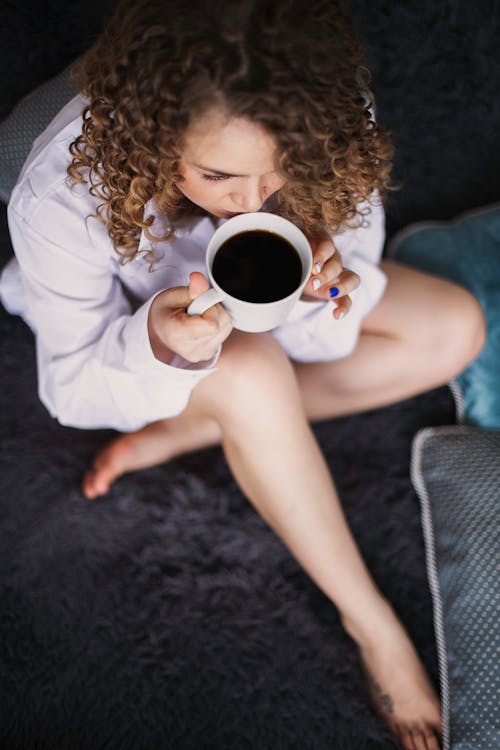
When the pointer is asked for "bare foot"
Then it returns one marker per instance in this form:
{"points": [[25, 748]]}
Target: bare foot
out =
{"points": [[154, 444], [401, 690]]}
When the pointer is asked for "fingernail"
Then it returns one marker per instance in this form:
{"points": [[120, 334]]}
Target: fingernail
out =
{"points": [[334, 291], [316, 284], [341, 315], [317, 267]]}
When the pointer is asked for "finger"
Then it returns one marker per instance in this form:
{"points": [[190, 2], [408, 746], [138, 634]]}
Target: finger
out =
{"points": [[346, 283], [197, 338], [342, 308], [325, 251], [218, 315], [341, 286], [197, 284], [182, 296], [214, 321], [196, 327]]}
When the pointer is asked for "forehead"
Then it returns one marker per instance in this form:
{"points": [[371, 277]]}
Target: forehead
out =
{"points": [[234, 145]]}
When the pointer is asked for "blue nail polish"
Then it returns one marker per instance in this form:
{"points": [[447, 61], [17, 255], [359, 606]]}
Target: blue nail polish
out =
{"points": [[334, 291]]}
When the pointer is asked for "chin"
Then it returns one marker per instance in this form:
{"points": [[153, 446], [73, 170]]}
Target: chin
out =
{"points": [[222, 214], [230, 214]]}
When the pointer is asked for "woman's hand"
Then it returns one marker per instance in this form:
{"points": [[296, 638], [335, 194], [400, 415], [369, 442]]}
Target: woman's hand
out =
{"points": [[194, 337], [329, 279]]}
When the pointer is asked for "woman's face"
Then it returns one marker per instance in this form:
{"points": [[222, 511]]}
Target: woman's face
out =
{"points": [[228, 165]]}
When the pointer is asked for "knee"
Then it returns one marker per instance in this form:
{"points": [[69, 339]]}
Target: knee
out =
{"points": [[461, 332], [253, 364], [478, 329], [253, 374]]}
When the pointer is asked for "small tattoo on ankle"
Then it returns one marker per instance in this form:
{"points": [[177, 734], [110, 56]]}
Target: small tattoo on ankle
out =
{"points": [[384, 699]]}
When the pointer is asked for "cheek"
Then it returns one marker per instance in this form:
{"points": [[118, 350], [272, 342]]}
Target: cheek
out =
{"points": [[190, 189], [276, 184]]}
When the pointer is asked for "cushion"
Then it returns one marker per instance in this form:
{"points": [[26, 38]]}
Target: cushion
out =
{"points": [[456, 473], [467, 251], [26, 121]]}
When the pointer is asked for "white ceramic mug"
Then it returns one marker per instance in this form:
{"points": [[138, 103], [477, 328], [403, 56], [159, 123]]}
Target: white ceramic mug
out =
{"points": [[254, 316]]}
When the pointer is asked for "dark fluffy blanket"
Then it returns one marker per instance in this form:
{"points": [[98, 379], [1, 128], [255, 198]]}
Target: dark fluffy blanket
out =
{"points": [[167, 615]]}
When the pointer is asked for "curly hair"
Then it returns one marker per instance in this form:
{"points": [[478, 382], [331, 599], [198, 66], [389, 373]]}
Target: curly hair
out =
{"points": [[293, 68]]}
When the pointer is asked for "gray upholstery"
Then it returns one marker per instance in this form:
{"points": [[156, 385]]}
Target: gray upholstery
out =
{"points": [[456, 472], [26, 121]]}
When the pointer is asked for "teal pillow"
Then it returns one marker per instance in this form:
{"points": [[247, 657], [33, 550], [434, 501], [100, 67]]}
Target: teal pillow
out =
{"points": [[467, 251], [25, 123], [456, 474]]}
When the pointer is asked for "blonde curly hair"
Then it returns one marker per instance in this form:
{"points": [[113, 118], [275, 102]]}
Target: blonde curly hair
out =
{"points": [[293, 68]]}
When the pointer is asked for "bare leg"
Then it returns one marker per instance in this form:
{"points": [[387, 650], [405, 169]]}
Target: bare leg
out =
{"points": [[301, 505], [424, 331], [292, 489], [154, 444]]}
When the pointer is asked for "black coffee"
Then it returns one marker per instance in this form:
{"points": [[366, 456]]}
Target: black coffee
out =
{"points": [[257, 266]]}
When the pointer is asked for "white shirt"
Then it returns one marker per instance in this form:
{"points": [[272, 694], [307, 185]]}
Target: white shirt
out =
{"points": [[89, 312]]}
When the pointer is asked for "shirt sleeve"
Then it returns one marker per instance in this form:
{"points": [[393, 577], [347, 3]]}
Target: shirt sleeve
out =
{"points": [[96, 368], [361, 249]]}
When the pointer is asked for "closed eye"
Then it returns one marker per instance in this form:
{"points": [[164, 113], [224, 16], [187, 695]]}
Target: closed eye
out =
{"points": [[216, 177]]}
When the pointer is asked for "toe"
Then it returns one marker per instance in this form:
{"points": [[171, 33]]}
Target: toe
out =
{"points": [[95, 484], [418, 738], [405, 736], [88, 486], [432, 738]]}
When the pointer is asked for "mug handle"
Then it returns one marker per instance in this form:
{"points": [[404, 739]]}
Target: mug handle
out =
{"points": [[207, 299]]}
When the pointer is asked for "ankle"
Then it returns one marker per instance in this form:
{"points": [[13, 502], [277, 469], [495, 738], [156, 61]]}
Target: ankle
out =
{"points": [[372, 625]]}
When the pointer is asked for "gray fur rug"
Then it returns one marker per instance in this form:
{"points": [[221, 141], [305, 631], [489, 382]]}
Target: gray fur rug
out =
{"points": [[167, 614]]}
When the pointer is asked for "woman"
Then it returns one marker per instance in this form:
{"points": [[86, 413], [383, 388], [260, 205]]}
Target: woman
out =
{"points": [[191, 115]]}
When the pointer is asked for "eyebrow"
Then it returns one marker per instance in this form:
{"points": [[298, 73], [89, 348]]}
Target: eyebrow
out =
{"points": [[217, 171]]}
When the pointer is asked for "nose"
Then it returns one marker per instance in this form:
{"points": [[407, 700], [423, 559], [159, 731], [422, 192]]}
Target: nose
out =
{"points": [[250, 196]]}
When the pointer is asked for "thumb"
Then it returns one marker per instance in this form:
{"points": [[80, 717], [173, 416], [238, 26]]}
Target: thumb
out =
{"points": [[182, 296], [197, 284]]}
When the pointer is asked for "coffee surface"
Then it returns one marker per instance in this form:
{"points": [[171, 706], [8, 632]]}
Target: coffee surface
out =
{"points": [[257, 266]]}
